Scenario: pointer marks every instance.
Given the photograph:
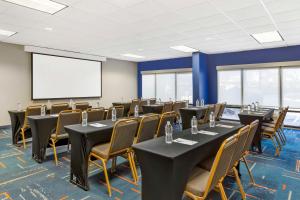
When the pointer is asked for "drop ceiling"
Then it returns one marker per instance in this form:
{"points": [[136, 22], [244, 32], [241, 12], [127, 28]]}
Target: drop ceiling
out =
{"points": [[148, 28]]}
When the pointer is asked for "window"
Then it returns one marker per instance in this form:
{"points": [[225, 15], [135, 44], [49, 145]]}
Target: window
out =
{"points": [[184, 87], [148, 85], [229, 87], [291, 87], [261, 85], [165, 86]]}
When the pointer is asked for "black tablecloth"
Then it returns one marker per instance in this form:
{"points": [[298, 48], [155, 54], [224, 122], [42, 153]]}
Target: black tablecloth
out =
{"points": [[82, 140], [188, 113], [126, 106], [153, 108], [17, 120], [246, 117], [166, 167], [41, 127]]}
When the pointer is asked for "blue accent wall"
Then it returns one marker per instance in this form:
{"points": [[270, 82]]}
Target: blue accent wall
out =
{"points": [[175, 63]]}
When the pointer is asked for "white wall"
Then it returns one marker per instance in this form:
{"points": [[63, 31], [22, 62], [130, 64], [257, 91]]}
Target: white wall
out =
{"points": [[119, 80]]}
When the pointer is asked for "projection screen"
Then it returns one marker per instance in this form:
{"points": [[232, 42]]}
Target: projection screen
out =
{"points": [[55, 77]]}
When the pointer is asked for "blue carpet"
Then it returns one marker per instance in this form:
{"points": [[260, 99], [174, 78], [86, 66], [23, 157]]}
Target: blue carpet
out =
{"points": [[23, 178]]}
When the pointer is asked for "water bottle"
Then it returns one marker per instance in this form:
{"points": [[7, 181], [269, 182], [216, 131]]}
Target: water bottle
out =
{"points": [[159, 100], [212, 120], [197, 103], [19, 107], [202, 102], [136, 111], [248, 107], [253, 106], [194, 126], [148, 102], [84, 118], [114, 114], [257, 105], [43, 110], [49, 104], [169, 133], [187, 103]]}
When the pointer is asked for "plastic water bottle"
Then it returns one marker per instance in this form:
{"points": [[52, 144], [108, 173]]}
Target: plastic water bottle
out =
{"points": [[197, 103], [169, 133], [49, 104], [159, 100], [84, 118], [249, 107], [43, 110], [257, 105], [253, 106], [114, 114], [136, 111], [202, 102], [148, 102], [19, 107], [212, 122], [187, 103], [194, 126]]}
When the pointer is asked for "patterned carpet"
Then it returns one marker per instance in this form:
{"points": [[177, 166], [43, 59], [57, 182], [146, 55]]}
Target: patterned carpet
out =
{"points": [[22, 178]]}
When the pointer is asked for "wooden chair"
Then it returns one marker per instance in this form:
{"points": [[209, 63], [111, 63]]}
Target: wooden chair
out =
{"points": [[201, 181], [205, 119], [67, 117], [221, 111], [30, 111], [120, 145], [176, 106], [95, 114], [141, 104], [147, 128], [82, 105], [119, 111], [57, 108], [217, 110], [168, 106], [134, 102], [165, 117], [152, 101]]}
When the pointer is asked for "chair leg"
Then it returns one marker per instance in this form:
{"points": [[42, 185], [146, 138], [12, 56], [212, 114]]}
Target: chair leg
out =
{"points": [[278, 142], [281, 138], [222, 191], [23, 138], [134, 161], [248, 169], [237, 178], [282, 134], [113, 165], [106, 176], [54, 152], [132, 167], [277, 152]]}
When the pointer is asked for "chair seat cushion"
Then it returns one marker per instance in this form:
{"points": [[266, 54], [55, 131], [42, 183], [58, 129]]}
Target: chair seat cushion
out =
{"points": [[207, 164], [268, 124], [102, 150], [197, 181], [60, 136]]}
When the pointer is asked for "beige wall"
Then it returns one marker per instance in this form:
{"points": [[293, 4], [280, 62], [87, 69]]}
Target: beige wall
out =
{"points": [[119, 80]]}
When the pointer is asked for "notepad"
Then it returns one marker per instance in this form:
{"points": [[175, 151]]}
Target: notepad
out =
{"points": [[54, 115], [185, 141], [207, 132], [97, 125], [224, 126]]}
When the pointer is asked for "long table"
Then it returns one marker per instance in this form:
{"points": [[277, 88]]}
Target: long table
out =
{"points": [[166, 167], [153, 108], [246, 117], [188, 113]]}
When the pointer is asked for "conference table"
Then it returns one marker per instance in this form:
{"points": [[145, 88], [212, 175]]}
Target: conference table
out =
{"points": [[166, 167], [153, 108], [246, 117], [188, 113], [126, 106]]}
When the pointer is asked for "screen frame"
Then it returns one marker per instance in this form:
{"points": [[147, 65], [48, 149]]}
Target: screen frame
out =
{"points": [[96, 97]]}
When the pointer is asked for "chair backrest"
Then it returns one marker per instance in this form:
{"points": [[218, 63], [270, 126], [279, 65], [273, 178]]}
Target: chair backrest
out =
{"points": [[119, 111], [242, 139], [167, 107], [284, 115], [95, 114], [210, 108], [168, 116], [31, 111], [82, 105], [147, 128], [251, 134], [177, 105], [281, 118], [123, 135], [57, 108], [141, 104], [217, 110], [67, 117], [134, 102], [221, 111], [221, 163], [152, 101]]}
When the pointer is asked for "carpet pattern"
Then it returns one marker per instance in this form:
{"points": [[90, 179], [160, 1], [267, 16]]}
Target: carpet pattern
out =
{"points": [[22, 178]]}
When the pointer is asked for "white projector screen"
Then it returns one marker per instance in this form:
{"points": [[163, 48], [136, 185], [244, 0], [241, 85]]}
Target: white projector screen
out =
{"points": [[55, 77]]}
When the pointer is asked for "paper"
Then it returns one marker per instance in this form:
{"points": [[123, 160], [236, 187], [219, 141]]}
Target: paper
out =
{"points": [[97, 125], [224, 126], [207, 132], [184, 141], [54, 115]]}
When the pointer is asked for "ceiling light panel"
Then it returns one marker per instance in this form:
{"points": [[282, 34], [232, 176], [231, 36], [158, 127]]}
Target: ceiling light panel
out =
{"points": [[132, 55], [265, 37], [7, 33], [184, 49]]}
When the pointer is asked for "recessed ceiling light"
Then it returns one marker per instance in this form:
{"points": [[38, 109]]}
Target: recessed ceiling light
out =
{"points": [[184, 49], [7, 33], [132, 55], [47, 6], [48, 29], [272, 36]]}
